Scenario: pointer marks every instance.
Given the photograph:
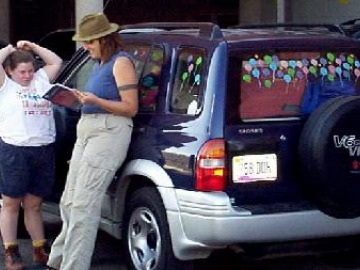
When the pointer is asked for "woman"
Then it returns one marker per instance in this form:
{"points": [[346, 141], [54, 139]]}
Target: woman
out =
{"points": [[27, 133], [110, 100]]}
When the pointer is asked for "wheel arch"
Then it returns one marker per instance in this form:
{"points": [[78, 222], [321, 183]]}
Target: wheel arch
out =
{"points": [[142, 173], [137, 174]]}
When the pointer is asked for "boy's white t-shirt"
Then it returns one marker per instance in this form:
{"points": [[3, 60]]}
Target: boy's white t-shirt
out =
{"points": [[26, 119]]}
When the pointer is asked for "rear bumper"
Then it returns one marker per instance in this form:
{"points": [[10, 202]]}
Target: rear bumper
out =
{"points": [[201, 222]]}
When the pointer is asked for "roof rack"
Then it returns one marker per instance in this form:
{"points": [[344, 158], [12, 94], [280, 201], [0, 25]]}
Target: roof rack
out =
{"points": [[351, 27], [330, 27], [206, 29], [350, 22]]}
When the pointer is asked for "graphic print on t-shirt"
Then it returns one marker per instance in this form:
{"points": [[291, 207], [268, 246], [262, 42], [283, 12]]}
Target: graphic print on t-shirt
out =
{"points": [[32, 102]]}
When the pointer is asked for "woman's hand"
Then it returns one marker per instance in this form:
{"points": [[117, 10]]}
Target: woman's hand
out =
{"points": [[25, 45], [86, 98]]}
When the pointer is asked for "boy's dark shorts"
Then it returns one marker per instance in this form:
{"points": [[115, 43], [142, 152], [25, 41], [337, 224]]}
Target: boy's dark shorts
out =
{"points": [[26, 170]]}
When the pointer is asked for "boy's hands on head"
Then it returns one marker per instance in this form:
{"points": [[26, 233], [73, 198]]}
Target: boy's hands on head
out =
{"points": [[25, 45]]}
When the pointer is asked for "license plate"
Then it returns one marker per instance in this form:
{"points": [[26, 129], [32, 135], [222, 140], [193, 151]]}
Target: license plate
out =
{"points": [[251, 168]]}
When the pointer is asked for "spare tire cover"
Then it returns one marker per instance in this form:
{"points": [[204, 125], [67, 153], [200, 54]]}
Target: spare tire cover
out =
{"points": [[329, 151]]}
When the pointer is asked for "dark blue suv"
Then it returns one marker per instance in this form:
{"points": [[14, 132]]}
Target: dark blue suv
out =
{"points": [[243, 136]]}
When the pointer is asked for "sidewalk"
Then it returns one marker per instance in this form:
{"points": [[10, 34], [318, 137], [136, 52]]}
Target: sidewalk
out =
{"points": [[107, 254]]}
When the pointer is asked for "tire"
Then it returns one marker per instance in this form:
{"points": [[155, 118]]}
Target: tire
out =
{"points": [[330, 168], [146, 234]]}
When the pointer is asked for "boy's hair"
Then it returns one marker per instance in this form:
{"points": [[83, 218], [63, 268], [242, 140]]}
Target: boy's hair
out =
{"points": [[17, 57]]}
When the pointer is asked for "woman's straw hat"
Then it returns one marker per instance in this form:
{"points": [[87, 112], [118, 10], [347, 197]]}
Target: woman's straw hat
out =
{"points": [[94, 26]]}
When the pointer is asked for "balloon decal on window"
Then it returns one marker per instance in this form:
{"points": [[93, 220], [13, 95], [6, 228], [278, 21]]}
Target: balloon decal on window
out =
{"points": [[191, 75], [269, 69]]}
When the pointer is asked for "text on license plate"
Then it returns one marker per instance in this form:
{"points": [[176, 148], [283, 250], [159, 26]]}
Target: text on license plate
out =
{"points": [[251, 168]]}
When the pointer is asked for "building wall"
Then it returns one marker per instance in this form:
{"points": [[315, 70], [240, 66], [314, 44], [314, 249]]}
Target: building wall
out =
{"points": [[42, 16], [4, 20], [304, 11], [324, 11], [257, 11], [222, 12], [39, 17]]}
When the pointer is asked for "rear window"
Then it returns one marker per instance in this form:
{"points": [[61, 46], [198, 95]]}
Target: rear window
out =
{"points": [[291, 84]]}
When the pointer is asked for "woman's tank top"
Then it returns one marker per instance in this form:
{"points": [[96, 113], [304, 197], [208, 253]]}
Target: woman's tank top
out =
{"points": [[101, 83]]}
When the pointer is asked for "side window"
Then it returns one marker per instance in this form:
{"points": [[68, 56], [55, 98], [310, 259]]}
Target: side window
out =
{"points": [[148, 63], [139, 53], [188, 79], [150, 80], [79, 78]]}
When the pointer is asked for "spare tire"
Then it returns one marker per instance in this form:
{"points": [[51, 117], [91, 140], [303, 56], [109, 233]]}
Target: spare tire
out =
{"points": [[329, 151]]}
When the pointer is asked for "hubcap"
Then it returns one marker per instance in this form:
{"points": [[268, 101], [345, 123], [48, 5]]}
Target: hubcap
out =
{"points": [[144, 239]]}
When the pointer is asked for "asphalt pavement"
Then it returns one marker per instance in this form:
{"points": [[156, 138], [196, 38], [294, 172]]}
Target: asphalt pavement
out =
{"points": [[108, 255]]}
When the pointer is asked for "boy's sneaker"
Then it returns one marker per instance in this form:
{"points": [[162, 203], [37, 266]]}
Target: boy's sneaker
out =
{"points": [[13, 259], [41, 254]]}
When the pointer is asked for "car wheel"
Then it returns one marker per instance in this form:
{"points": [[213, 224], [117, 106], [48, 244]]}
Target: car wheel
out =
{"points": [[147, 238], [329, 152]]}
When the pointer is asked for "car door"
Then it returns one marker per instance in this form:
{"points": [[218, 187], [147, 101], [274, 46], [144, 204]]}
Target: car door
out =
{"points": [[147, 60]]}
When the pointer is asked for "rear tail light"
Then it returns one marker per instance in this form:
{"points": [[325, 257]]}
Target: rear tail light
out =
{"points": [[210, 166]]}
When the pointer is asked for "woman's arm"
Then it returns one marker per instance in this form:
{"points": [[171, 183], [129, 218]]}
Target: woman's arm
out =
{"points": [[4, 52], [125, 78], [52, 61]]}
